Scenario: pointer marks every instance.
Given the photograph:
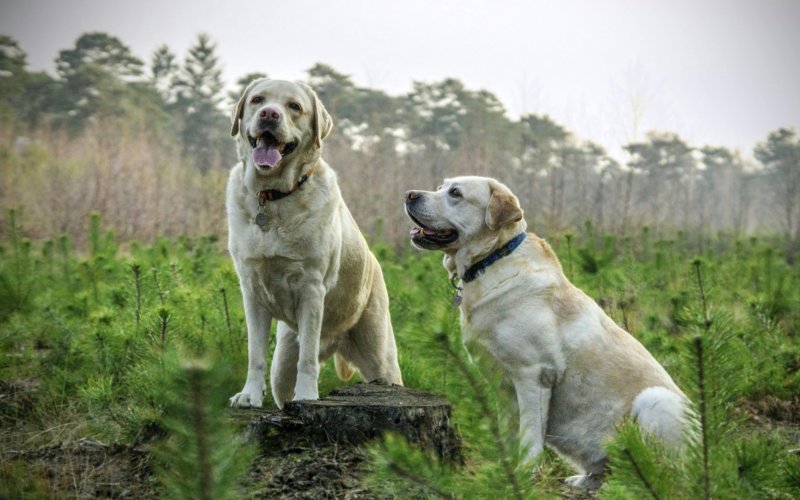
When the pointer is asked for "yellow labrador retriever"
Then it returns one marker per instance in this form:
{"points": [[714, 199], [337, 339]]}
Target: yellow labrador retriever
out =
{"points": [[298, 252], [575, 372]]}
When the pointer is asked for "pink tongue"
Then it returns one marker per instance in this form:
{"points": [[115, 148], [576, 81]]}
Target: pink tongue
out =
{"points": [[266, 156]]}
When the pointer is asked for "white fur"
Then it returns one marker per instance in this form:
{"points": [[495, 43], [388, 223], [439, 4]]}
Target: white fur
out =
{"points": [[656, 409], [575, 372], [309, 267]]}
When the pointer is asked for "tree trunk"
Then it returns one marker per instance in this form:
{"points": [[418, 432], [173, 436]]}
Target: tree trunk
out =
{"points": [[357, 413]]}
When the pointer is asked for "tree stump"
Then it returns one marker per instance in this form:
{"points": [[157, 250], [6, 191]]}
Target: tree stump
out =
{"points": [[357, 413]]}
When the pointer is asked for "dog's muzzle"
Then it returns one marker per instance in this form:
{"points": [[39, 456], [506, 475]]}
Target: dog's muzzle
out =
{"points": [[423, 235], [268, 151]]}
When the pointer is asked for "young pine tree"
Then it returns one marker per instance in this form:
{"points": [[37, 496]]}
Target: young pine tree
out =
{"points": [[203, 457], [721, 460]]}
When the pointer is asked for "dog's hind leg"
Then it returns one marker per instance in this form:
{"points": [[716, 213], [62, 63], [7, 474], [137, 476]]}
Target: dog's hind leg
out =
{"points": [[372, 350], [283, 373], [344, 370], [370, 344]]}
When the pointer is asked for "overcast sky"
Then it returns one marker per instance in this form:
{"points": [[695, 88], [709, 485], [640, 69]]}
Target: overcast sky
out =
{"points": [[720, 72]]}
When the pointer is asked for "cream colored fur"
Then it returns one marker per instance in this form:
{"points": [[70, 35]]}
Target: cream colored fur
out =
{"points": [[309, 267], [575, 372]]}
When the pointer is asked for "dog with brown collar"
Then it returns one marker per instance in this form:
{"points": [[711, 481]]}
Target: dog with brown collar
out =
{"points": [[299, 255]]}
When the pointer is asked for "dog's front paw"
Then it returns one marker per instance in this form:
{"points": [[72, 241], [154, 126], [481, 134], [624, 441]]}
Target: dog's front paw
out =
{"points": [[306, 390], [249, 397]]}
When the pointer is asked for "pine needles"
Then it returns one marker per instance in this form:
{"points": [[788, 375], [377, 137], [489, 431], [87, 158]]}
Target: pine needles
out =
{"points": [[724, 462], [203, 456]]}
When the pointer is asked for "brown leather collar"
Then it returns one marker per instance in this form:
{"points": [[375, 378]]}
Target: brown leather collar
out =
{"points": [[274, 194]]}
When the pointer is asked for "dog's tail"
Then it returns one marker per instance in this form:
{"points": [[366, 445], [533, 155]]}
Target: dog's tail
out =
{"points": [[344, 370], [665, 414]]}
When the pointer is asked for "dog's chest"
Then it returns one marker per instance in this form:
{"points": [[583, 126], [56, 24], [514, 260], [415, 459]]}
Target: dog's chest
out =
{"points": [[481, 308], [257, 242], [279, 264], [481, 343], [275, 231], [478, 322], [277, 286], [510, 323], [283, 252]]}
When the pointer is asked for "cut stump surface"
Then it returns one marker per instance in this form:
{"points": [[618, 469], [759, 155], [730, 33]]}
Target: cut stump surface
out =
{"points": [[357, 413]]}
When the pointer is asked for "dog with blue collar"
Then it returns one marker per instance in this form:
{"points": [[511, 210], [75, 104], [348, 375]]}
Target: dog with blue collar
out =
{"points": [[575, 372]]}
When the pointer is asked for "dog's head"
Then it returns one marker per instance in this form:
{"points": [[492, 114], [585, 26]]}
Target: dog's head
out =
{"points": [[464, 212], [277, 122]]}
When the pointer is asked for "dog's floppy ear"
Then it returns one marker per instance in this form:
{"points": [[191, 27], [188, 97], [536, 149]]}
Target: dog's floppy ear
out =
{"points": [[503, 207], [321, 121], [238, 110]]}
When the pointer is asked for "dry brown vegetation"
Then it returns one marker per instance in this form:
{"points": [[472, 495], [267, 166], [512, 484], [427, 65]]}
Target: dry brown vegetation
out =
{"points": [[139, 185], [147, 147]]}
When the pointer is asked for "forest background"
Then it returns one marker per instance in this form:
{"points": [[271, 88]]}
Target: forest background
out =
{"points": [[147, 146]]}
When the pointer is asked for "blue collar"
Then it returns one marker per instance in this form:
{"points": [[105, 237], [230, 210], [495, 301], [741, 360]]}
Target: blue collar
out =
{"points": [[479, 267]]}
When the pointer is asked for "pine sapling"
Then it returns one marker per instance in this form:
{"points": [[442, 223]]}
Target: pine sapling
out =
{"points": [[227, 315], [568, 236], [703, 410], [47, 255], [163, 321], [640, 474], [640, 465], [162, 297], [203, 456], [701, 379], [19, 286], [491, 417], [64, 246], [136, 269], [199, 421]]}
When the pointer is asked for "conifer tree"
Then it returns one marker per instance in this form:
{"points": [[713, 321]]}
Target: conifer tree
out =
{"points": [[780, 155], [12, 70], [93, 75], [164, 73], [199, 100]]}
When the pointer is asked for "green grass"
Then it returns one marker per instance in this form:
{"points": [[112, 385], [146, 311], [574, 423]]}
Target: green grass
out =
{"points": [[98, 332]]}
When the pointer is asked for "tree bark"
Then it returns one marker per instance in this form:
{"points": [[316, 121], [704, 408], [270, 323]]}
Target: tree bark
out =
{"points": [[357, 413]]}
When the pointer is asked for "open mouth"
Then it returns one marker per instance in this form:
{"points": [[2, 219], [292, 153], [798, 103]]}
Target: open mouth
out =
{"points": [[268, 151], [427, 237]]}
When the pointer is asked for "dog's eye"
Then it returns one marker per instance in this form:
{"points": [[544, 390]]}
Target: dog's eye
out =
{"points": [[257, 99], [295, 106], [454, 192]]}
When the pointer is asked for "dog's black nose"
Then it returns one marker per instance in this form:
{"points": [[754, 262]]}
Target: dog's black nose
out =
{"points": [[412, 196]]}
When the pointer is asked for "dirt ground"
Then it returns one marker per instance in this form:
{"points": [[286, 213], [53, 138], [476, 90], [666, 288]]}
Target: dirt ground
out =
{"points": [[293, 463]]}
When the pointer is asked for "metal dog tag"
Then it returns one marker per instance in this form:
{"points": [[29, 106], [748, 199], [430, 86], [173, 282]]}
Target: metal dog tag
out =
{"points": [[456, 300], [261, 220]]}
